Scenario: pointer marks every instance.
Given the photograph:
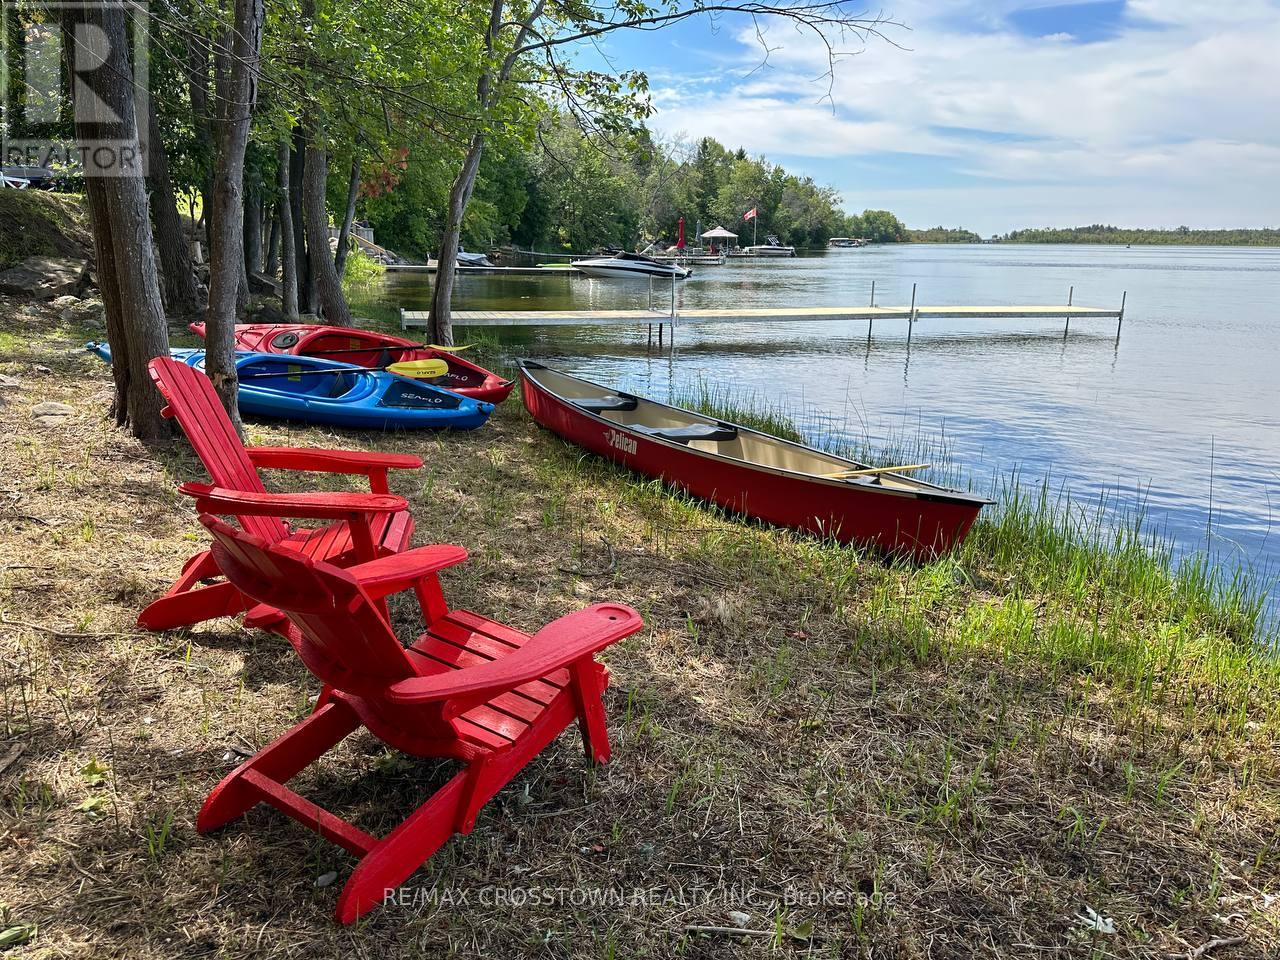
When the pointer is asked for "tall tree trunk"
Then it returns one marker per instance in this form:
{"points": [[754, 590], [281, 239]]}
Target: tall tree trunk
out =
{"points": [[348, 215], [446, 268], [253, 229], [122, 239], [271, 265], [297, 168], [242, 284], [237, 94], [197, 71], [181, 296], [333, 305], [288, 259]]}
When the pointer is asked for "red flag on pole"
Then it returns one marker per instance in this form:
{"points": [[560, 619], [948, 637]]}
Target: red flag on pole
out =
{"points": [[750, 214], [680, 242]]}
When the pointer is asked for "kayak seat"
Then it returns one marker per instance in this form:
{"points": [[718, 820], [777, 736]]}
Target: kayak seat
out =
{"points": [[696, 431], [611, 402]]}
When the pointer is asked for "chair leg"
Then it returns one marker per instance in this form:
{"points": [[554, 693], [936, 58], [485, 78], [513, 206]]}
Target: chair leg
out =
{"points": [[187, 602], [398, 855], [587, 691], [452, 809], [283, 758], [189, 607]]}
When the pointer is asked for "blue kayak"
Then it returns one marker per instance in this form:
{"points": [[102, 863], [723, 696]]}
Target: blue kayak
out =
{"points": [[350, 397]]}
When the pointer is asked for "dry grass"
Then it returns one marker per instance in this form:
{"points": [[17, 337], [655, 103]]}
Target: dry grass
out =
{"points": [[796, 719]]}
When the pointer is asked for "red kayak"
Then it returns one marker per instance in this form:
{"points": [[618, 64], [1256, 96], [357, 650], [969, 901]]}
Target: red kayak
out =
{"points": [[366, 348], [752, 473]]}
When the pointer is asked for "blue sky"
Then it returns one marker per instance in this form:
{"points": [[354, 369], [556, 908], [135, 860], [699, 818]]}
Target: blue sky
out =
{"points": [[996, 114]]}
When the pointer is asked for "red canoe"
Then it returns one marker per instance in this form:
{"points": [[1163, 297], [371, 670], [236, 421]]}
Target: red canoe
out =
{"points": [[366, 348], [749, 472]]}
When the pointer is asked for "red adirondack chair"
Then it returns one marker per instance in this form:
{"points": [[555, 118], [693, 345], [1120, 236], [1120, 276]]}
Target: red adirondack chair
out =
{"points": [[362, 527], [468, 689]]}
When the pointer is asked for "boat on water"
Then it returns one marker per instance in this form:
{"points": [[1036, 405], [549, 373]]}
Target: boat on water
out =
{"points": [[749, 472], [466, 259], [845, 243], [328, 391], [623, 265], [367, 348], [772, 247]]}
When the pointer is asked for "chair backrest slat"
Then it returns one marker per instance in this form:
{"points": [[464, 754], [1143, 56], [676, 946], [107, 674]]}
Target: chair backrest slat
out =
{"points": [[194, 403], [344, 640]]}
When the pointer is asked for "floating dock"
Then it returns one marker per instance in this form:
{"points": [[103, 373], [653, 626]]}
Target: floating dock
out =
{"points": [[650, 318], [508, 271]]}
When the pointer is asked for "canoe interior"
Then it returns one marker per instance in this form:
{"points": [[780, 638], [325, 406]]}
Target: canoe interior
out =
{"points": [[751, 447]]}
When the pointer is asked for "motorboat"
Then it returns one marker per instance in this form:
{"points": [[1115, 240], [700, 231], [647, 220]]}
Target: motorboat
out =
{"points": [[624, 265], [466, 259], [771, 248]]}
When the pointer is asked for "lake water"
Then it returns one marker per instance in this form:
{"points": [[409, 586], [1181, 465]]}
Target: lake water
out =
{"points": [[1182, 411]]}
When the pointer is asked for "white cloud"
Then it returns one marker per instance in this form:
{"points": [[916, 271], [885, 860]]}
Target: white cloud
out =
{"points": [[1182, 104]]}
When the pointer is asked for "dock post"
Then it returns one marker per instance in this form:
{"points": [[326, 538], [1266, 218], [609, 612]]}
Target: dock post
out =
{"points": [[650, 335], [659, 336], [1070, 293], [650, 302], [911, 318], [1120, 319], [871, 320]]}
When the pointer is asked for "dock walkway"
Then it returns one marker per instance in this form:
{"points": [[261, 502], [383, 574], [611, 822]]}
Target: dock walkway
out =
{"points": [[640, 317]]}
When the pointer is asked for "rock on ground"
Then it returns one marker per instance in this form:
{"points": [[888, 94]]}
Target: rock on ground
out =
{"points": [[51, 408], [43, 278]]}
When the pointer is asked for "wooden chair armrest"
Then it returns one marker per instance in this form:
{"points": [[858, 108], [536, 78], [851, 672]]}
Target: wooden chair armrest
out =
{"points": [[557, 644], [399, 571], [311, 506], [330, 461]]}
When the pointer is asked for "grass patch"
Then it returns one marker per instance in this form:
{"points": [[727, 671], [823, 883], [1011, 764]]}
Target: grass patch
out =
{"points": [[865, 758], [360, 270], [747, 410]]}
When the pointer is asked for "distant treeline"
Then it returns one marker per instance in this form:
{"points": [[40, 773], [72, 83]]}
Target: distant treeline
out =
{"points": [[1100, 233], [943, 235]]}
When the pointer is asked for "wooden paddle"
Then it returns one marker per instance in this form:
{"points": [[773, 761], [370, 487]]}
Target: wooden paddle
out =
{"points": [[870, 471], [416, 369], [397, 347]]}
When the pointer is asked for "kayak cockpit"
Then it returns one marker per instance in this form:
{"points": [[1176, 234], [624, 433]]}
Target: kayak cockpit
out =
{"points": [[311, 380]]}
